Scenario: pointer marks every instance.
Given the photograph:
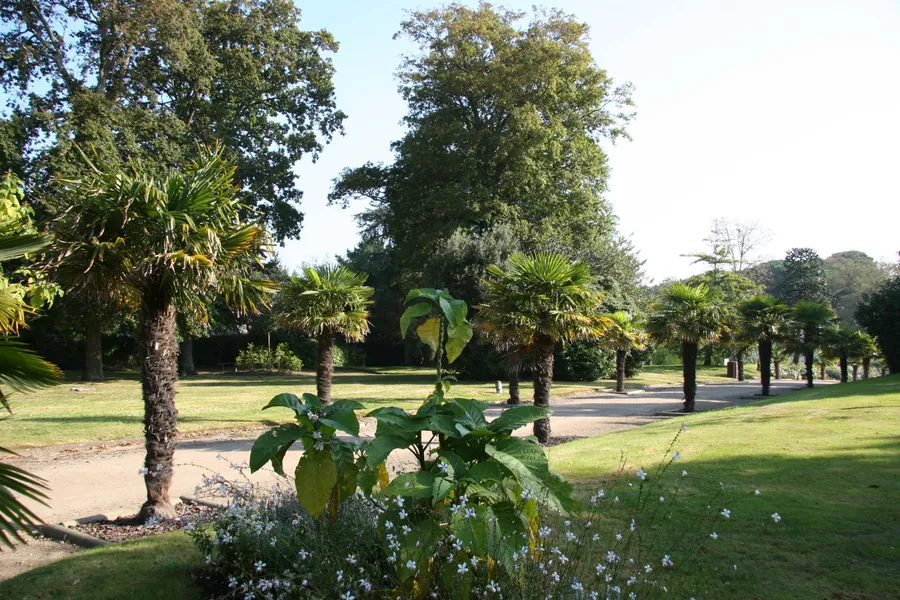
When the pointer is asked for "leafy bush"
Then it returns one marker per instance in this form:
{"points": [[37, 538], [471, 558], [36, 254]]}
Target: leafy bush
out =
{"points": [[583, 361], [252, 358]]}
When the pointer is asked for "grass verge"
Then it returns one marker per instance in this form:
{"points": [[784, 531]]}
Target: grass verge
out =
{"points": [[209, 402]]}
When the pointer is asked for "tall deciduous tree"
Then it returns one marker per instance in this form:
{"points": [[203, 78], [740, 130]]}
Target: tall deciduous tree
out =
{"points": [[849, 275], [877, 313], [690, 317], [542, 299], [504, 125], [326, 302], [148, 79], [804, 277], [764, 319], [162, 243]]}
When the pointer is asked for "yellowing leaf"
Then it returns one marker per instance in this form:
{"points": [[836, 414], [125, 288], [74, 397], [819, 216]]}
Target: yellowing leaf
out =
{"points": [[315, 477], [429, 332]]}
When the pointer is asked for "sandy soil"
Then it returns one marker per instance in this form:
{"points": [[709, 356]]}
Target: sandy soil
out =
{"points": [[103, 479]]}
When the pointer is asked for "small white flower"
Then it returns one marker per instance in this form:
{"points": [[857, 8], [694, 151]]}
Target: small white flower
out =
{"points": [[544, 531], [612, 557], [577, 586], [410, 564], [662, 498], [319, 446], [317, 435], [756, 492], [641, 474], [570, 536], [340, 575], [616, 499], [444, 467], [399, 500], [474, 561], [388, 525], [714, 535], [675, 456], [303, 554], [667, 561], [600, 568], [260, 565], [462, 568], [776, 517], [470, 512], [403, 514], [618, 537], [313, 417], [351, 559], [684, 473], [726, 513], [648, 569], [406, 529], [684, 427], [143, 471], [525, 494]]}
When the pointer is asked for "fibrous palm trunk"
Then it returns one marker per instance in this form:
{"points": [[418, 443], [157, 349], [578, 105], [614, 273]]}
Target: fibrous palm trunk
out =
{"points": [[855, 371], [689, 361], [775, 365], [822, 371], [93, 348], [866, 364], [186, 357], [740, 365], [543, 380], [842, 360], [808, 360], [512, 372], [324, 365], [765, 364], [707, 356], [159, 372], [621, 355]]}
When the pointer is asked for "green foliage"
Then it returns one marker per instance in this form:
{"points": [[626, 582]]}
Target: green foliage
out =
{"points": [[764, 318], [850, 275], [445, 328], [877, 313], [686, 314], [147, 80], [809, 322], [584, 361], [252, 358], [804, 277]]}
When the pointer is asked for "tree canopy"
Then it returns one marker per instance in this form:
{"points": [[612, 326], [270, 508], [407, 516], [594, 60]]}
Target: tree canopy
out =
{"points": [[804, 277], [150, 79]]}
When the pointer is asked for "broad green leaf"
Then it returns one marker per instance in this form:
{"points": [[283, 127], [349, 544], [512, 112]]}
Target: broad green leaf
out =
{"points": [[341, 453], [316, 475], [268, 444], [287, 401], [457, 338], [419, 309], [430, 332], [455, 310], [516, 417], [525, 460], [278, 459], [560, 495], [343, 405], [399, 420], [460, 585], [480, 491], [456, 468], [419, 484], [383, 445], [444, 423], [347, 481], [513, 534], [366, 480], [441, 489], [345, 421], [469, 412], [477, 533], [312, 402], [430, 293], [484, 472]]}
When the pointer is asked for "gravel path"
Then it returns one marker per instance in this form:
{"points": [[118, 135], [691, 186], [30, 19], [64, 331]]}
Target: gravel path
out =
{"points": [[103, 479]]}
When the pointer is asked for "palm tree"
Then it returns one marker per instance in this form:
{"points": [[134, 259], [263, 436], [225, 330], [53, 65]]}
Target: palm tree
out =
{"points": [[865, 351], [158, 243], [623, 336], [325, 302], [20, 369], [841, 344], [689, 316], [810, 320], [542, 298], [764, 319]]}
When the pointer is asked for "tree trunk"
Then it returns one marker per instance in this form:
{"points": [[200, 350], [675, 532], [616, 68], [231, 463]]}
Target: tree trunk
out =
{"points": [[93, 349], [765, 365], [689, 369], [186, 357], [740, 365], [159, 372], [324, 365], [512, 371], [775, 364], [707, 356], [866, 364], [808, 359], [621, 355], [842, 360], [855, 371], [543, 380], [822, 371]]}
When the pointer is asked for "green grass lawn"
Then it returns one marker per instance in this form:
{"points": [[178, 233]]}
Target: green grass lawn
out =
{"points": [[828, 460], [233, 401]]}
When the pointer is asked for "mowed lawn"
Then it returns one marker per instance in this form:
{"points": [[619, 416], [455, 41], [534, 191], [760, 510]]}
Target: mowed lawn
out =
{"points": [[827, 460], [207, 402]]}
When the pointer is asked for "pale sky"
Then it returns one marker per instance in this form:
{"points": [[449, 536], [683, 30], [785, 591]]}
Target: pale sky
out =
{"points": [[786, 112]]}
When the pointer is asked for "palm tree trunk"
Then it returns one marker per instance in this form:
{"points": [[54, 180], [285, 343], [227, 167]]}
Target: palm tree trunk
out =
{"points": [[808, 359], [776, 365], [543, 380], [866, 362], [93, 348], [513, 364], [324, 365], [822, 371], [842, 360], [621, 355], [765, 365], [855, 371], [707, 356], [159, 372], [689, 369], [186, 357], [740, 365]]}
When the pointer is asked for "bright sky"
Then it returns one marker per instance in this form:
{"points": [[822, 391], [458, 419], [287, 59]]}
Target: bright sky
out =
{"points": [[782, 111]]}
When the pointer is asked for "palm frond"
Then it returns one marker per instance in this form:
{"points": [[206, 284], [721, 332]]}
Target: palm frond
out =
{"points": [[15, 517]]}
